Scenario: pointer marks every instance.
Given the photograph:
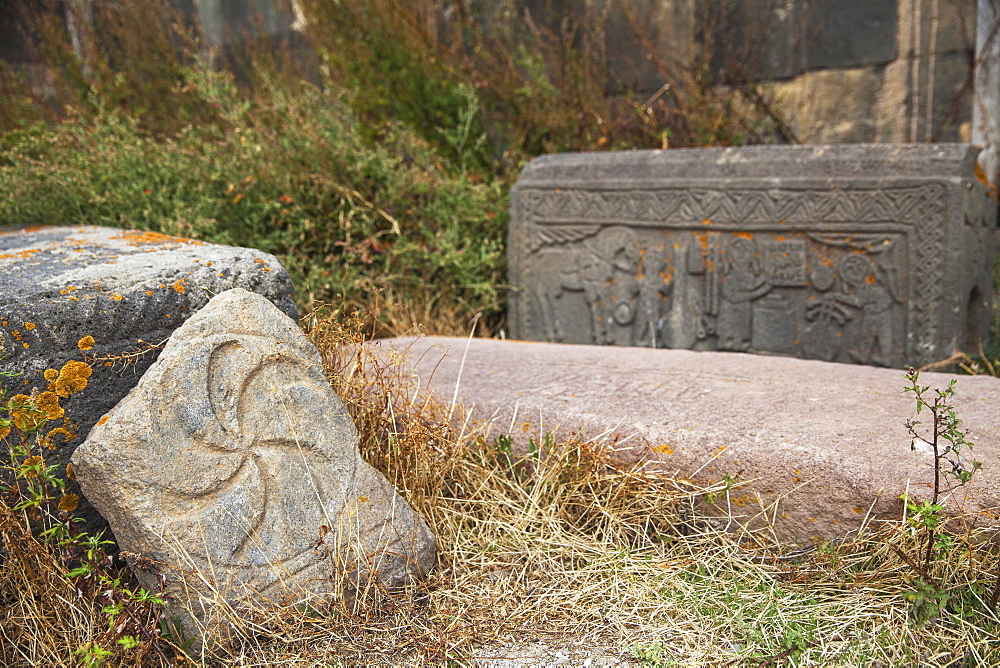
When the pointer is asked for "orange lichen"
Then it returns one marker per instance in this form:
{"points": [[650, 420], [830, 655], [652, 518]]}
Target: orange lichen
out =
{"points": [[103, 419], [29, 467], [138, 238], [50, 438], [29, 326], [72, 378], [68, 503], [179, 286], [23, 414], [48, 403], [20, 255], [70, 473], [86, 343], [50, 375], [116, 297]]}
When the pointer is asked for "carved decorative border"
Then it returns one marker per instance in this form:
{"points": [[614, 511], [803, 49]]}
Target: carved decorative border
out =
{"points": [[554, 216]]}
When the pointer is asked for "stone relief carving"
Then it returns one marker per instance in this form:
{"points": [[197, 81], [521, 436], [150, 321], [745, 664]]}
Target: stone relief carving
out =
{"points": [[755, 242], [809, 273], [233, 462], [609, 271]]}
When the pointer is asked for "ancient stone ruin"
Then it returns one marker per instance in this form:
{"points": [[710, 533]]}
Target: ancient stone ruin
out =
{"points": [[104, 300], [232, 470], [817, 448], [867, 254]]}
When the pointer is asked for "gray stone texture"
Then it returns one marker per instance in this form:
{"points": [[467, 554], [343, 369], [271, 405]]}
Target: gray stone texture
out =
{"points": [[878, 255], [839, 70], [819, 445], [61, 284], [233, 462], [787, 39]]}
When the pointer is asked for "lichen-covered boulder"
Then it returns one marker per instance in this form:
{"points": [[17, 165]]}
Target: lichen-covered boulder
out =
{"points": [[106, 298], [235, 469]]}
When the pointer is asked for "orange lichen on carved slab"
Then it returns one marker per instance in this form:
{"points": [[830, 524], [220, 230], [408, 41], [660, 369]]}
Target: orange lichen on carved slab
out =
{"points": [[140, 238], [20, 255]]}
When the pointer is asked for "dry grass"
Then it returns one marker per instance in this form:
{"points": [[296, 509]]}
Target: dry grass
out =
{"points": [[564, 545]]}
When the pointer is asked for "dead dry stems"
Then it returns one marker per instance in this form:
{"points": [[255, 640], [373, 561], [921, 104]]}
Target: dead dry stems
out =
{"points": [[562, 544]]}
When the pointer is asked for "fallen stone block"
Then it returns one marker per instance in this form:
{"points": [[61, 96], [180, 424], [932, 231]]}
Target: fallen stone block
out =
{"points": [[817, 446], [109, 297], [232, 469], [872, 254]]}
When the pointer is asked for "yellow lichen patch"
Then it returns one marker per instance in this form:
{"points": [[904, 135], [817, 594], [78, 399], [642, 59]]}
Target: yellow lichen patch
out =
{"points": [[664, 449], [86, 343], [143, 238], [117, 297], [59, 432], [30, 466], [179, 286], [23, 413], [68, 503], [72, 378], [29, 326], [103, 419], [20, 255], [4, 431], [70, 473], [50, 375], [48, 403]]}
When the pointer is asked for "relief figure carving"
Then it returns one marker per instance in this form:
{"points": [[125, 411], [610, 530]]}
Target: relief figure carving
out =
{"points": [[869, 286], [742, 283]]}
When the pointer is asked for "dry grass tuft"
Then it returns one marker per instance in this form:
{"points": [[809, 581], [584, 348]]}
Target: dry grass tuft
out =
{"points": [[40, 613], [566, 546]]}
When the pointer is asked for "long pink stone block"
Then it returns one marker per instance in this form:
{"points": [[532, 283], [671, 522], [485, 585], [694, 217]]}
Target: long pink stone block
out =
{"points": [[825, 442]]}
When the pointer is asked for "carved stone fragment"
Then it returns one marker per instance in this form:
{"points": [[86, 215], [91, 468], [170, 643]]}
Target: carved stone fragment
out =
{"points": [[869, 254], [234, 467], [108, 297]]}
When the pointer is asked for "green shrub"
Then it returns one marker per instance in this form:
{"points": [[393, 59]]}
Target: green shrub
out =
{"points": [[290, 175]]}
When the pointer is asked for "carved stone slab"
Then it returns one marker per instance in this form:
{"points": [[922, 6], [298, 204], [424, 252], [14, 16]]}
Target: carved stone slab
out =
{"points": [[873, 254], [820, 446], [234, 467]]}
